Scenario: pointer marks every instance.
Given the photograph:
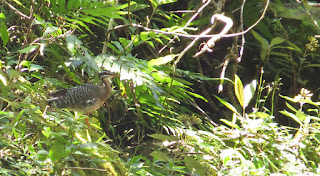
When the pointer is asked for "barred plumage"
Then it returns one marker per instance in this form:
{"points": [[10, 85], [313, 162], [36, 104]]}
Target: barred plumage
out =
{"points": [[84, 98]]}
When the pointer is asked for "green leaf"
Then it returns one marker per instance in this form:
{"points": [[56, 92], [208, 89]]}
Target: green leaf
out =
{"points": [[264, 45], [144, 35], [293, 116], [109, 12], [62, 4], [162, 60], [79, 22], [310, 65], [156, 3], [151, 44], [276, 41], [194, 166], [197, 96], [71, 4], [248, 92], [301, 115], [228, 105], [3, 30], [289, 98], [291, 107], [163, 137], [279, 54], [54, 6], [160, 155], [57, 151], [294, 47], [28, 49], [46, 132], [35, 67], [3, 78], [42, 155], [238, 89], [233, 125], [259, 115], [263, 41]]}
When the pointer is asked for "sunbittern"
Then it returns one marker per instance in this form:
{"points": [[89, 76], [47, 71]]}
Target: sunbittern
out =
{"points": [[84, 98]]}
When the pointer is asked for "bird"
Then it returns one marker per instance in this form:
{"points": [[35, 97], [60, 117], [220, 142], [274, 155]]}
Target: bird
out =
{"points": [[85, 98]]}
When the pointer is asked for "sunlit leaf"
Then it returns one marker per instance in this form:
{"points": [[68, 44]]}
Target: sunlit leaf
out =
{"points": [[248, 92], [28, 49], [3, 78], [160, 155], [163, 137], [301, 115], [197, 96], [289, 98], [42, 155], [228, 105], [57, 151], [233, 125], [259, 115], [238, 89], [3, 30], [144, 36], [156, 3], [162, 60], [35, 67], [194, 165], [291, 107], [293, 116]]}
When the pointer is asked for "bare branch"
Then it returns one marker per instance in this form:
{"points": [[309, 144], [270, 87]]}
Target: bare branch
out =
{"points": [[212, 42], [16, 10]]}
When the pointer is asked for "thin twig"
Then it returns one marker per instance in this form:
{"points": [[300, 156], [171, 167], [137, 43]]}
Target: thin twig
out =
{"points": [[16, 10], [182, 53], [191, 45], [187, 24], [196, 36], [243, 40]]}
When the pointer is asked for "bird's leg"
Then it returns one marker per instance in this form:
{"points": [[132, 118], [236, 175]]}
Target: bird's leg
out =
{"points": [[87, 120]]}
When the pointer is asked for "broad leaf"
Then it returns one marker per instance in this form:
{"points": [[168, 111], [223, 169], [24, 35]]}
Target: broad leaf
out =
{"points": [[228, 105], [162, 60], [28, 49], [160, 155], [264, 45], [248, 92], [163, 137], [276, 41], [231, 124], [238, 89], [57, 151]]}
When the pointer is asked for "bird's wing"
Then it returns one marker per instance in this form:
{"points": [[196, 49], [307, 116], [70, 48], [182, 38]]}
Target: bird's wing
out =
{"points": [[58, 93], [76, 98]]}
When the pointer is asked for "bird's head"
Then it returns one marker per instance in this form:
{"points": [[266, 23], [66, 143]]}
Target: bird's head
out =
{"points": [[107, 74]]}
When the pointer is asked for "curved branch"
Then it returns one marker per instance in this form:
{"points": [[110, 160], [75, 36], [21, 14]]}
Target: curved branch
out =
{"points": [[212, 42], [195, 36]]}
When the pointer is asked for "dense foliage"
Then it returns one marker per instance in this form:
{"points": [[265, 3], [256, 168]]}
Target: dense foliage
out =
{"points": [[165, 115]]}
